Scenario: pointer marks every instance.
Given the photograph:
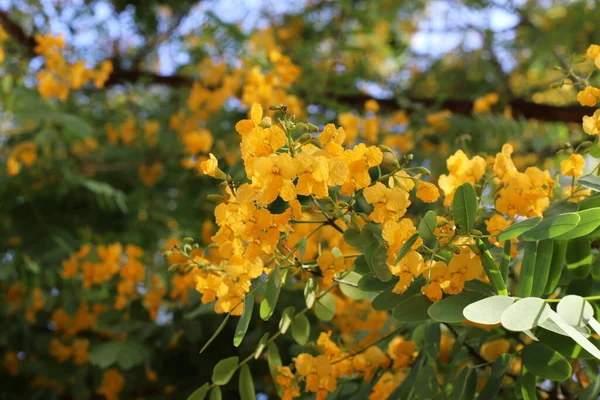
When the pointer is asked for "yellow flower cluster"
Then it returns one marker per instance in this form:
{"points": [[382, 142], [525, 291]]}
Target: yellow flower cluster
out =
{"points": [[593, 53], [131, 274], [321, 373], [112, 384], [270, 87], [78, 351], [461, 170], [11, 363], [484, 104], [357, 322], [127, 133], [3, 38], [58, 75], [37, 303], [84, 319], [23, 154], [525, 194]]}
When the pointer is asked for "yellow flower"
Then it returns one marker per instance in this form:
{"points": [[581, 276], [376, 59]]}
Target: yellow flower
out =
{"points": [[591, 125], [198, 141], [593, 52], [492, 350], [485, 103], [330, 265], [210, 167], [402, 352], [11, 363], [13, 167], [440, 120], [572, 166], [461, 170], [350, 123], [389, 204], [437, 277], [112, 384], [495, 225], [274, 176], [463, 267], [371, 105], [428, 192], [588, 96], [285, 379]]}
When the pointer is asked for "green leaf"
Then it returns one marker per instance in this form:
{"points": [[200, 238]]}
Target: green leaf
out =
{"points": [[525, 314], [589, 221], [433, 336], [562, 343], [575, 335], [559, 253], [379, 264], [274, 360], [427, 225], [518, 229], [552, 227], [406, 247], [325, 307], [505, 263], [301, 329], [426, 384], [494, 382], [489, 310], [244, 321], [125, 354], [310, 291], [414, 309], [579, 257], [370, 283], [215, 393], [491, 269], [527, 383], [224, 370], [527, 269], [200, 393], [360, 240], [214, 335], [464, 207], [543, 261], [262, 343], [361, 265], [574, 310], [267, 306], [590, 202], [355, 293], [451, 308], [546, 363], [246, 386], [286, 319], [465, 386], [590, 182], [388, 300]]}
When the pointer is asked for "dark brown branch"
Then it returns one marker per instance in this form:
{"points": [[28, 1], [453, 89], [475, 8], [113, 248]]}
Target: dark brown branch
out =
{"points": [[15, 30], [120, 76], [158, 40], [521, 108]]}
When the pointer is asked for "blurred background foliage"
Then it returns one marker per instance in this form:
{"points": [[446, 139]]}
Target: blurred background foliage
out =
{"points": [[115, 162]]}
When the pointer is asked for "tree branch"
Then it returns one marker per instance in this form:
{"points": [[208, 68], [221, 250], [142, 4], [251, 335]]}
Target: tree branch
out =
{"points": [[15, 30]]}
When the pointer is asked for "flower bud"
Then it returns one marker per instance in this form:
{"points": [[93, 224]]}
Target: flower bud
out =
{"points": [[312, 127], [215, 197], [385, 149]]}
